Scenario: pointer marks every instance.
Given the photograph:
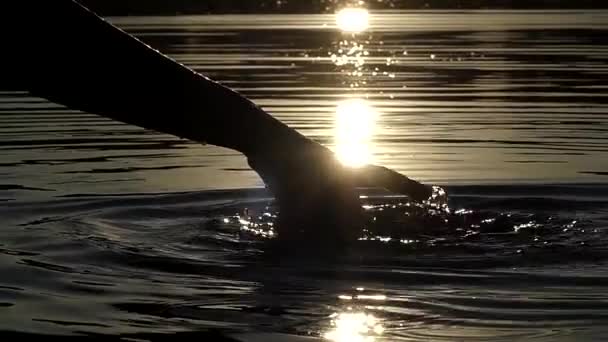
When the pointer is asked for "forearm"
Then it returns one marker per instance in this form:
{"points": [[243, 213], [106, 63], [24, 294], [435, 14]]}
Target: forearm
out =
{"points": [[75, 58]]}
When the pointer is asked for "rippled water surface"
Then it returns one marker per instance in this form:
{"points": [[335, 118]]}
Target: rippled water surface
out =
{"points": [[111, 229]]}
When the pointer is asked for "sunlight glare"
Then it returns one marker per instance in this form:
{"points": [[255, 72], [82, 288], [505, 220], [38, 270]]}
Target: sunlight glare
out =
{"points": [[354, 327], [352, 20], [355, 124]]}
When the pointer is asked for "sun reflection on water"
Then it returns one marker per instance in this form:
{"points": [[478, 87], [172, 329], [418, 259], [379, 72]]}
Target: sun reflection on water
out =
{"points": [[352, 20], [354, 327], [354, 130]]}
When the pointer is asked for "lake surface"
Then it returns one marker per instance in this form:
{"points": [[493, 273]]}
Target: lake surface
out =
{"points": [[111, 229]]}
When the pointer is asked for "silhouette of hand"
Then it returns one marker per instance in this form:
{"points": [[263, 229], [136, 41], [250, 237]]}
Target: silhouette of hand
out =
{"points": [[380, 176], [317, 195]]}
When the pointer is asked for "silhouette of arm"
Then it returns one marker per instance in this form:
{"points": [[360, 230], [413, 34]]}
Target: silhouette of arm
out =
{"points": [[63, 52], [71, 56]]}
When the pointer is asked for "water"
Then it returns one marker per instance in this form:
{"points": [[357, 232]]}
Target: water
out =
{"points": [[111, 229]]}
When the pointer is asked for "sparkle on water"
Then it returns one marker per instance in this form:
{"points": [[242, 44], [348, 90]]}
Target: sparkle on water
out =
{"points": [[354, 327], [354, 131], [352, 20]]}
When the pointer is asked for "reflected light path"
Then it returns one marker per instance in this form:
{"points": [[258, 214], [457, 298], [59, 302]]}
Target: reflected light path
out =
{"points": [[352, 20], [354, 327], [354, 130]]}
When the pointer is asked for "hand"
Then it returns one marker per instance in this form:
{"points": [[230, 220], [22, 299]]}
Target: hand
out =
{"points": [[317, 195], [380, 176]]}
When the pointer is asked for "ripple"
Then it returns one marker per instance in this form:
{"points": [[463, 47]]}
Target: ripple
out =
{"points": [[480, 101]]}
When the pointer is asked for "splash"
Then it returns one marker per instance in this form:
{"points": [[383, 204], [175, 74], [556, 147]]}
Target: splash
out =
{"points": [[387, 219], [397, 224]]}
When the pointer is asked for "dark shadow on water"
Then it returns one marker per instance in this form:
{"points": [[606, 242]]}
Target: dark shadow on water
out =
{"points": [[135, 169], [20, 187], [597, 173], [210, 335]]}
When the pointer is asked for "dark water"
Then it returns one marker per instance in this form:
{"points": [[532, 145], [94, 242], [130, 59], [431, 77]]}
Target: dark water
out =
{"points": [[111, 229]]}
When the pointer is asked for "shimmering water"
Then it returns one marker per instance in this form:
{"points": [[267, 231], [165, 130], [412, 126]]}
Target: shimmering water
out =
{"points": [[111, 229]]}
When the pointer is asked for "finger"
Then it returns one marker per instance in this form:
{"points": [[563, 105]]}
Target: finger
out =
{"points": [[379, 176]]}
